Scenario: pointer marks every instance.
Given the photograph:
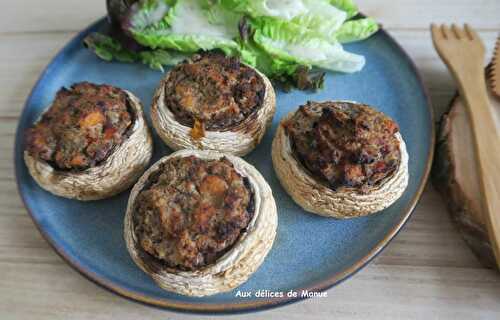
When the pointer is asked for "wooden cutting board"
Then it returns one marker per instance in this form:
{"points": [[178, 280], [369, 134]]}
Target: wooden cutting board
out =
{"points": [[455, 175]]}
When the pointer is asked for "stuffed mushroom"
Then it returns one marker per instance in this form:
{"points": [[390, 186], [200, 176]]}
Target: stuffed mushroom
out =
{"points": [[213, 102], [340, 159], [200, 222], [91, 143]]}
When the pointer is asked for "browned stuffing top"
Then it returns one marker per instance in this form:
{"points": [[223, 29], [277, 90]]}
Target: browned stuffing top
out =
{"points": [[81, 128], [343, 144], [192, 211], [216, 90]]}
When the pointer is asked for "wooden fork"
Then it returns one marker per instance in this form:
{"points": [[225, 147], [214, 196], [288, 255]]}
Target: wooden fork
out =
{"points": [[463, 52]]}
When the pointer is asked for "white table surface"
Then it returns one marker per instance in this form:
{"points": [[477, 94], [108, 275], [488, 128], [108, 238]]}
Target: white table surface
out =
{"points": [[426, 272]]}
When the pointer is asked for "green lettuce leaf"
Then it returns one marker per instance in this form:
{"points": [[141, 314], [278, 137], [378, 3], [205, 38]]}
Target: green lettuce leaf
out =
{"points": [[318, 15], [356, 30], [145, 13], [192, 25], [321, 18], [109, 49], [286, 74], [285, 9], [292, 45], [346, 5]]}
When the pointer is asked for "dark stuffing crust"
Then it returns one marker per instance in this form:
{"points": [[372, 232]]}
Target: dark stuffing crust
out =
{"points": [[217, 91], [344, 145], [192, 211], [81, 128]]}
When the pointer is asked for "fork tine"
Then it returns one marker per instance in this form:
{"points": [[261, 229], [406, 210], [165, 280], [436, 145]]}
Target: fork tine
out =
{"points": [[436, 33], [471, 33], [474, 36], [446, 31], [458, 32]]}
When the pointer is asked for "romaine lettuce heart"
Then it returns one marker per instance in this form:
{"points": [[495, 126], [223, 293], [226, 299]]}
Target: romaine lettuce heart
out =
{"points": [[285, 39]]}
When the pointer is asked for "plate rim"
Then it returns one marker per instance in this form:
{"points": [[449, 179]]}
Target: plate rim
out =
{"points": [[226, 308]]}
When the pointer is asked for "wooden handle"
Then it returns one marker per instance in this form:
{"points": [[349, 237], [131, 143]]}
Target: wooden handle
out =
{"points": [[472, 86]]}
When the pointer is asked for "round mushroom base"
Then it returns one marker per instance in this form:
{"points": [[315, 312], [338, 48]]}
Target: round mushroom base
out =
{"points": [[238, 140], [236, 265], [115, 174], [315, 197]]}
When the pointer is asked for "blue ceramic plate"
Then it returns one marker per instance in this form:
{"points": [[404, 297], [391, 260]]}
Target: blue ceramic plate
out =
{"points": [[310, 252]]}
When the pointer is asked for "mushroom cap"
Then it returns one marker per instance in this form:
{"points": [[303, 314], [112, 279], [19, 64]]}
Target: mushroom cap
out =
{"points": [[236, 265], [238, 140], [115, 174], [316, 197]]}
